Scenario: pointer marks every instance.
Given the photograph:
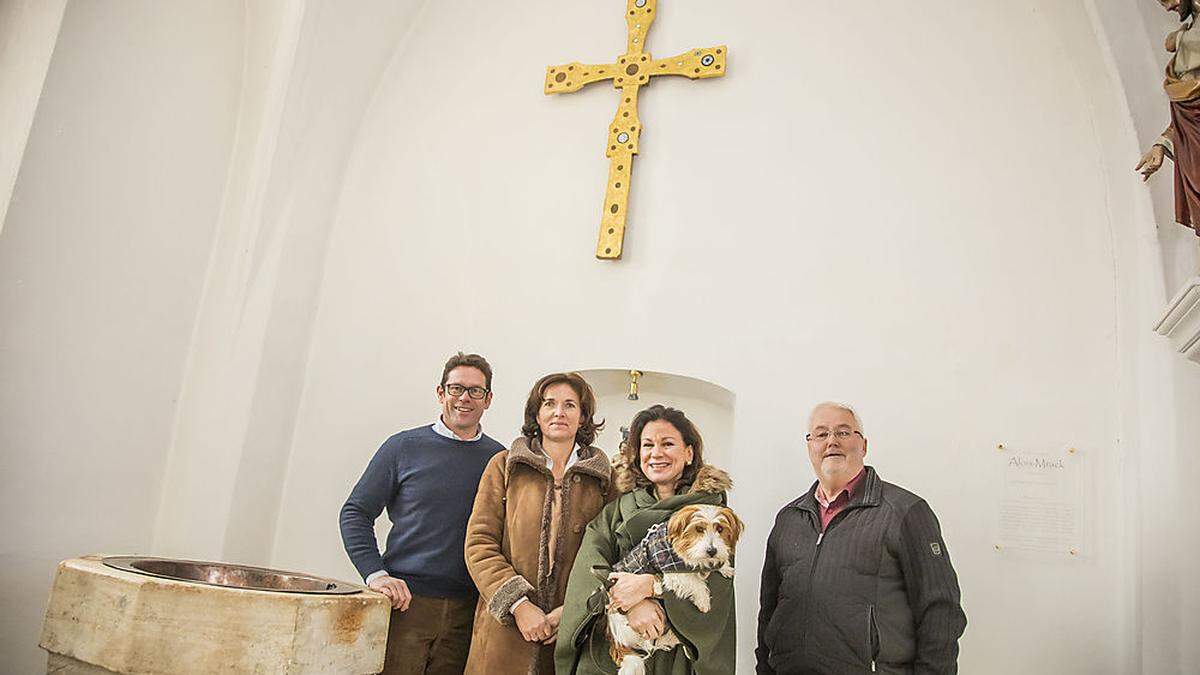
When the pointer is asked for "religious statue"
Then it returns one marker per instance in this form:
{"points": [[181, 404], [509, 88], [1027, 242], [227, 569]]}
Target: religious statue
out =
{"points": [[1181, 139]]}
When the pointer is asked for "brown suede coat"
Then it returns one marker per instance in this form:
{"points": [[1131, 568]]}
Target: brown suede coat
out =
{"points": [[506, 546]]}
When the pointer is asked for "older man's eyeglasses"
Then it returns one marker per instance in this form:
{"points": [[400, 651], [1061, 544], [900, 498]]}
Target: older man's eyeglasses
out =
{"points": [[456, 390], [824, 435]]}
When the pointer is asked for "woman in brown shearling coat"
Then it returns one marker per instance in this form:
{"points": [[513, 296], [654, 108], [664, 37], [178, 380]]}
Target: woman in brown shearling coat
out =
{"points": [[534, 501]]}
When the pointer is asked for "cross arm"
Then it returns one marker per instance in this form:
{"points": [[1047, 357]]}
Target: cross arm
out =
{"points": [[639, 14], [572, 76], [694, 64]]}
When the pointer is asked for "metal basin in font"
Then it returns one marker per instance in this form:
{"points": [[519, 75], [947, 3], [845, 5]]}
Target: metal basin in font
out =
{"points": [[231, 576]]}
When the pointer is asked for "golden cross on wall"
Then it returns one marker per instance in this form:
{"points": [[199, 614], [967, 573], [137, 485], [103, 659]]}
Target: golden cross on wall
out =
{"points": [[633, 69]]}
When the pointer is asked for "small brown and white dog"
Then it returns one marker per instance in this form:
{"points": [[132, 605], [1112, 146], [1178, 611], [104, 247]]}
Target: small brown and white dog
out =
{"points": [[698, 540]]}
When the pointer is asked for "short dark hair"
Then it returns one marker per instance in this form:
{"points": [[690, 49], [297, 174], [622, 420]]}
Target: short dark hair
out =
{"points": [[471, 360], [586, 434], [632, 451]]}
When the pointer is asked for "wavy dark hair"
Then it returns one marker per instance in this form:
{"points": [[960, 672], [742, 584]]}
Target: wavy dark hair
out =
{"points": [[588, 426], [632, 451]]}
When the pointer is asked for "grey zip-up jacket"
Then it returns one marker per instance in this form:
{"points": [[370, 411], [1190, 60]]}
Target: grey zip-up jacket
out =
{"points": [[874, 593]]}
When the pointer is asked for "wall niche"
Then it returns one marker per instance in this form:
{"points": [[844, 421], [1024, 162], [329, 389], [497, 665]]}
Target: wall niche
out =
{"points": [[708, 405]]}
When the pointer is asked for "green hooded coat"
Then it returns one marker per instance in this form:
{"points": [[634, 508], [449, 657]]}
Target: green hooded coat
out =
{"points": [[709, 639]]}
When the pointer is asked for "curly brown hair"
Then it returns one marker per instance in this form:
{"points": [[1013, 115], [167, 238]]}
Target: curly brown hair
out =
{"points": [[631, 448], [588, 426]]}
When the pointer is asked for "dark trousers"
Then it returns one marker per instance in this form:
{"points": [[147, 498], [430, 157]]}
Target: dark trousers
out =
{"points": [[431, 638]]}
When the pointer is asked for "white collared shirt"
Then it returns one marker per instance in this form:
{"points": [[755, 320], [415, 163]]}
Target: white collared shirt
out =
{"points": [[440, 428], [571, 458]]}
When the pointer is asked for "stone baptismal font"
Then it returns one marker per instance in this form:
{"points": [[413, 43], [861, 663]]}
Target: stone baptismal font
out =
{"points": [[154, 615]]}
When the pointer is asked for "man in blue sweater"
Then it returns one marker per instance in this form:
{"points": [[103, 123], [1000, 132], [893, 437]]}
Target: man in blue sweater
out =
{"points": [[426, 478]]}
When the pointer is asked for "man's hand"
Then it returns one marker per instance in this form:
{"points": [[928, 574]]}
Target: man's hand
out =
{"points": [[396, 590], [1151, 161], [554, 618], [532, 622], [647, 619], [629, 589]]}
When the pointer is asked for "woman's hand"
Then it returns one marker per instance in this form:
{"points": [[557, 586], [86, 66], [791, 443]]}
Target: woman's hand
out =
{"points": [[532, 623], [630, 589], [554, 618], [647, 619]]}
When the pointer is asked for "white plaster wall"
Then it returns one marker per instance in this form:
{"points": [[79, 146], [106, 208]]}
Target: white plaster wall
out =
{"points": [[1160, 391], [927, 211], [101, 262], [28, 30], [310, 69], [923, 211]]}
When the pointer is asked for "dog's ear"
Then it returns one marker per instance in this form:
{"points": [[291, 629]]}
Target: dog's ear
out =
{"points": [[679, 521], [736, 526]]}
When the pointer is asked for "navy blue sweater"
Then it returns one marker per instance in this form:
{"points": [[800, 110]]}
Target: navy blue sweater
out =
{"points": [[427, 483]]}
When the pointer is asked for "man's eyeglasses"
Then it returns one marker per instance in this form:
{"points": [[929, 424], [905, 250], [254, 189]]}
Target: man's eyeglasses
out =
{"points": [[456, 390], [823, 435]]}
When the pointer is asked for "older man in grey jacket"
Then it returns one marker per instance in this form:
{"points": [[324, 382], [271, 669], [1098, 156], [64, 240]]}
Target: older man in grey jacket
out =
{"points": [[857, 577]]}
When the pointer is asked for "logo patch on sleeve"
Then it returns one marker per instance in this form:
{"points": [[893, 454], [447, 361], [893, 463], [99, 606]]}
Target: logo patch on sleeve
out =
{"points": [[935, 547]]}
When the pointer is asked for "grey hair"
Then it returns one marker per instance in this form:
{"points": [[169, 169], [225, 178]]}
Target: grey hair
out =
{"points": [[838, 406]]}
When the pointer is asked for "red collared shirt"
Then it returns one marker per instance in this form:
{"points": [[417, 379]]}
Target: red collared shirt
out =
{"points": [[828, 508]]}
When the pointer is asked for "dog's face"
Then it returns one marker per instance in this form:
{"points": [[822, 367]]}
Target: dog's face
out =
{"points": [[704, 535]]}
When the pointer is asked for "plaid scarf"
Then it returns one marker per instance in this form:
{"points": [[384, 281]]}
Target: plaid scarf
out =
{"points": [[653, 555]]}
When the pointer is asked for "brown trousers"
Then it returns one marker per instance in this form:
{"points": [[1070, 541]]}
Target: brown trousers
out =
{"points": [[431, 638]]}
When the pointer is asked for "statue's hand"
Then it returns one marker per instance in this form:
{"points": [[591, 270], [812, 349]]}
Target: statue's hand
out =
{"points": [[1151, 161]]}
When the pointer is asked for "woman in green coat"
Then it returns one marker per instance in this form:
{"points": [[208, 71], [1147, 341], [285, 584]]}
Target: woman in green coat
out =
{"points": [[659, 470]]}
